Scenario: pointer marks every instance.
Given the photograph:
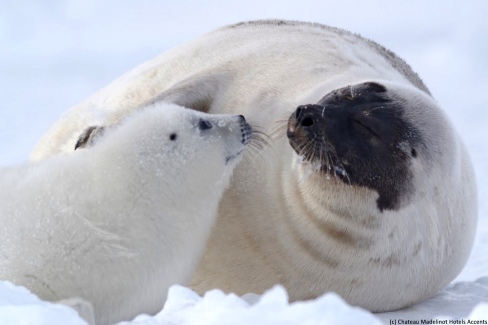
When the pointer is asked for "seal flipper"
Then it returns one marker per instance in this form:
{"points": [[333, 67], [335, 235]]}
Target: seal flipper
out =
{"points": [[196, 92], [82, 307]]}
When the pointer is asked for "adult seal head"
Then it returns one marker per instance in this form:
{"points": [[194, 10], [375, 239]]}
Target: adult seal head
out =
{"points": [[362, 135], [365, 188]]}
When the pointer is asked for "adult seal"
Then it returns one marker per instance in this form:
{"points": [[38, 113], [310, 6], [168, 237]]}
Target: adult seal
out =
{"points": [[123, 217], [365, 188]]}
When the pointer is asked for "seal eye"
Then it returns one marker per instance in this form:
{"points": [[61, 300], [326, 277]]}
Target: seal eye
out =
{"points": [[364, 130], [204, 125], [414, 153], [172, 136]]}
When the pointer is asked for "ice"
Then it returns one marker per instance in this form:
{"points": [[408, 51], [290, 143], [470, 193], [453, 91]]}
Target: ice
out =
{"points": [[480, 313], [457, 301], [461, 301], [184, 306]]}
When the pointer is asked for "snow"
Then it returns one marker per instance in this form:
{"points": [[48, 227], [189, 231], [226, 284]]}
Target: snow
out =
{"points": [[185, 307], [18, 306], [54, 55], [273, 308], [457, 301]]}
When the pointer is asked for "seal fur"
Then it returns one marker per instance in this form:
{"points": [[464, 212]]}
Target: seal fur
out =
{"points": [[122, 218], [381, 244]]}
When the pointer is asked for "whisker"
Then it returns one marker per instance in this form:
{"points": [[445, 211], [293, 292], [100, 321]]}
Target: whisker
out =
{"points": [[278, 129], [251, 156], [340, 165], [334, 169], [345, 172], [321, 157], [256, 146], [324, 154], [307, 149], [330, 163], [302, 150], [372, 109], [261, 138]]}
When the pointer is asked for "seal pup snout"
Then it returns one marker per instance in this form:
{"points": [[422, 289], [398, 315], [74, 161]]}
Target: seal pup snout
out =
{"points": [[246, 130], [236, 132]]}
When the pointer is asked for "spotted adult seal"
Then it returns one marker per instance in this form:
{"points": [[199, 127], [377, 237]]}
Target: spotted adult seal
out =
{"points": [[122, 218], [365, 189]]}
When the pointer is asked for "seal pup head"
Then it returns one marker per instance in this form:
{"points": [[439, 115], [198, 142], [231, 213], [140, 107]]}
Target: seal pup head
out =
{"points": [[362, 136], [172, 131]]}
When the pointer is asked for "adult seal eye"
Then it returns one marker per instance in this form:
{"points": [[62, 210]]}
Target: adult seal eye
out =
{"points": [[364, 129], [204, 125]]}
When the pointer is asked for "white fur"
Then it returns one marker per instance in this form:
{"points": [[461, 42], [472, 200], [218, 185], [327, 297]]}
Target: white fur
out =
{"points": [[116, 224], [277, 226]]}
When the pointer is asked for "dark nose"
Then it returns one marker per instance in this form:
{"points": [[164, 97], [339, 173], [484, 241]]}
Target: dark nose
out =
{"points": [[304, 116]]}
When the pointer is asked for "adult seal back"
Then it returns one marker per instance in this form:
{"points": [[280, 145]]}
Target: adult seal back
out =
{"points": [[365, 188]]}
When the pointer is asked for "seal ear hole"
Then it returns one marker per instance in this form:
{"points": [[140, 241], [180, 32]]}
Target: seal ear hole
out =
{"points": [[413, 152], [173, 136]]}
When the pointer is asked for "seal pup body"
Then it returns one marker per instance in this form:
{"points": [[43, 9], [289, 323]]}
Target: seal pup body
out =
{"points": [[120, 221], [292, 216]]}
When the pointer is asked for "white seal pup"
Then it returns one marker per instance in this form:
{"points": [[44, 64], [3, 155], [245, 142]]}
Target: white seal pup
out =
{"points": [[119, 222], [366, 190]]}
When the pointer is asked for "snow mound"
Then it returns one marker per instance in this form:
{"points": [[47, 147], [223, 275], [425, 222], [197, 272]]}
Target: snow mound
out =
{"points": [[460, 301], [18, 306], [457, 301], [186, 307]]}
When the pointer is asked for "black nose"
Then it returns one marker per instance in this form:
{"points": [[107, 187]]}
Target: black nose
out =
{"points": [[304, 116]]}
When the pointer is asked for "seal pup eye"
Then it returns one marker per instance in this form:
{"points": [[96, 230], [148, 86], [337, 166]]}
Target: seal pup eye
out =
{"points": [[173, 136], [204, 125]]}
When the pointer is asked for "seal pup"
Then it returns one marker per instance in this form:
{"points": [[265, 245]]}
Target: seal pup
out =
{"points": [[371, 196], [123, 217]]}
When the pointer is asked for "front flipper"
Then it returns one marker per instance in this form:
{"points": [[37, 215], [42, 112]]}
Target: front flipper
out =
{"points": [[82, 307]]}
